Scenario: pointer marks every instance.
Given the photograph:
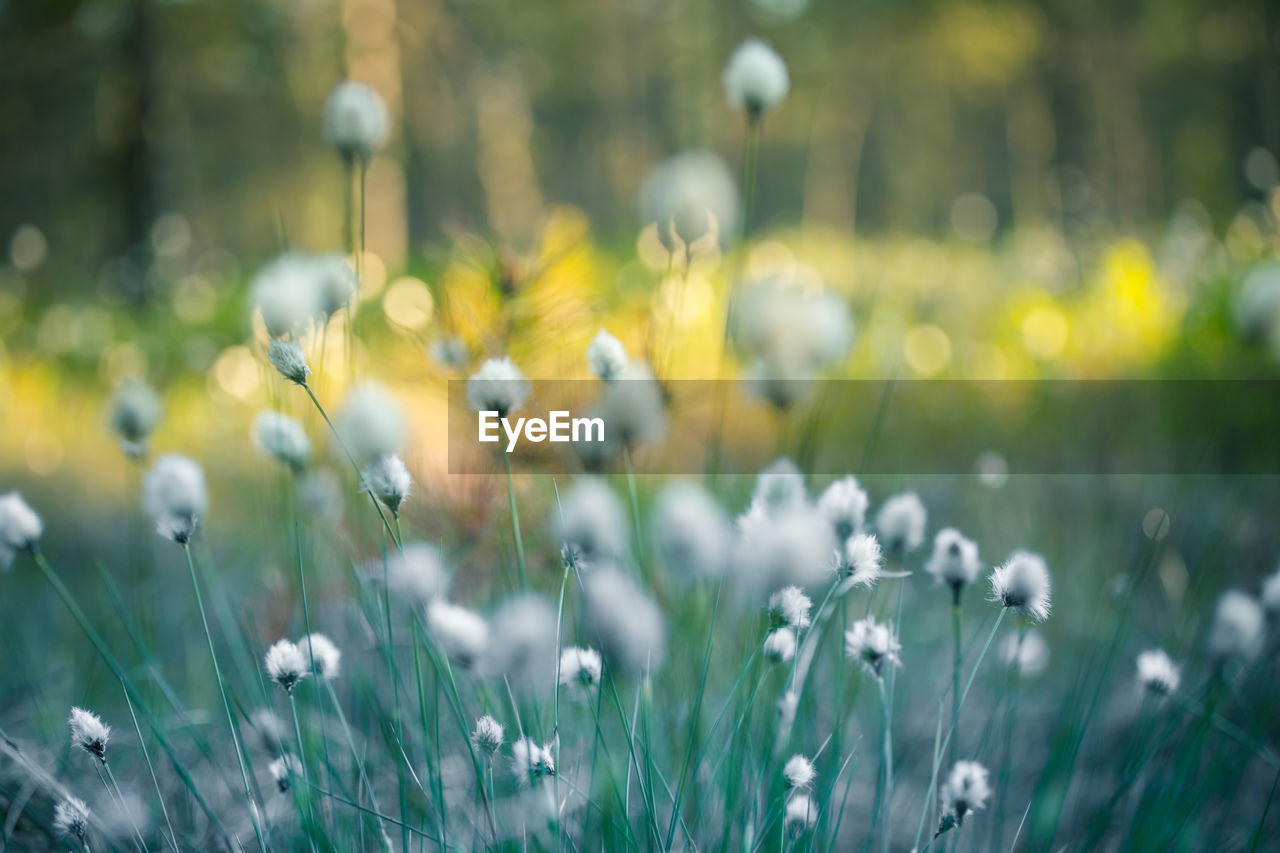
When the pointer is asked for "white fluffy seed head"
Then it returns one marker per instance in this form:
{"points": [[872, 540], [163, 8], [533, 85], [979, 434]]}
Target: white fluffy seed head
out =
{"points": [[627, 622], [1028, 651], [634, 407], [580, 670], [523, 646], [690, 531], [1157, 673], [861, 562], [289, 361], [801, 815], [498, 386], [323, 655], [790, 607], [606, 356], [966, 790], [417, 573], [756, 78], [786, 547], [900, 524], [286, 665], [844, 505], [1022, 584], [174, 495], [591, 520], [371, 423], [1238, 628], [530, 762], [89, 732], [134, 414], [284, 292], [335, 282], [955, 559], [791, 333], [283, 770], [690, 196], [20, 528], [388, 480], [488, 735], [780, 645], [282, 438], [355, 121], [462, 633], [873, 644], [780, 488], [799, 772], [71, 817]]}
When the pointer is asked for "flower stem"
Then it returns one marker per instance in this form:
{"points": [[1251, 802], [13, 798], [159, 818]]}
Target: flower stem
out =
{"points": [[887, 764], [957, 663], [302, 763], [515, 524], [164, 810]]}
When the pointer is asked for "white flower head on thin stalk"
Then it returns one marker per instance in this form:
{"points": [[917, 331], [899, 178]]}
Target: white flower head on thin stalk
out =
{"points": [[1238, 628], [801, 815], [324, 656], [606, 356], [416, 573], [20, 528], [690, 196], [174, 495], [89, 733], [900, 524], [844, 505], [388, 480], [861, 562], [873, 644], [788, 547], [530, 762], [590, 518], [634, 407], [355, 121], [282, 438], [755, 79], [498, 386], [798, 772], [286, 665], [488, 735], [1022, 584], [690, 531], [268, 729], [788, 703], [284, 292], [1271, 593], [966, 790], [523, 647], [780, 645], [789, 606], [135, 413], [71, 817], [628, 623], [462, 633], [289, 361], [371, 423], [791, 333], [283, 770], [1157, 673], [955, 559], [450, 352], [1028, 651], [780, 488], [580, 671], [335, 282]]}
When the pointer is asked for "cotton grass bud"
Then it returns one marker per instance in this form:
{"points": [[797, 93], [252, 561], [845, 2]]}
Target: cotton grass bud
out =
{"points": [[531, 763], [355, 121], [580, 670], [460, 632], [20, 528], [283, 438], [89, 733], [801, 815], [371, 423], [606, 356], [388, 480], [780, 645], [1157, 673], [689, 196], [789, 606], [284, 292], [900, 524], [173, 494], [690, 531], [966, 790], [955, 559], [289, 360], [71, 817], [591, 519], [844, 505], [283, 769], [523, 647], [756, 78], [416, 573], [799, 772], [628, 623], [286, 665], [873, 644], [324, 657], [488, 735], [134, 414], [1022, 584], [498, 386], [1238, 628], [861, 561]]}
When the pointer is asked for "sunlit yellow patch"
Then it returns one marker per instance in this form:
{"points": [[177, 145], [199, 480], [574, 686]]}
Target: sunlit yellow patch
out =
{"points": [[1044, 331], [237, 373], [927, 349], [408, 303]]}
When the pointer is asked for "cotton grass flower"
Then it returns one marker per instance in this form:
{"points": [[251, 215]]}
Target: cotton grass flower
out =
{"points": [[690, 196], [1028, 651], [284, 293], [371, 423], [780, 646], [335, 282], [798, 772], [174, 495], [628, 623], [416, 573], [324, 657], [789, 547], [134, 414], [388, 480], [873, 644], [955, 559], [900, 524], [488, 735], [580, 670], [780, 487], [591, 519], [690, 531], [965, 791], [282, 438], [498, 386], [355, 121], [1238, 628], [1022, 584], [523, 647], [844, 505], [800, 817], [789, 606], [861, 561], [71, 817], [283, 770], [633, 407], [460, 632], [286, 665], [606, 356], [1157, 673], [20, 528], [530, 762], [89, 733], [791, 333], [289, 361], [755, 79]]}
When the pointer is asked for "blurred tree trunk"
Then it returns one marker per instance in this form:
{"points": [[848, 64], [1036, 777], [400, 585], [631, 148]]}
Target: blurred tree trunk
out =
{"points": [[132, 164]]}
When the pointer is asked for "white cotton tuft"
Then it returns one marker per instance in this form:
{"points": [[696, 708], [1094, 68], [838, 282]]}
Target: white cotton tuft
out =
{"points": [[756, 78], [488, 735], [286, 665], [966, 790], [1238, 627], [284, 292], [71, 817], [1028, 651], [791, 547], [628, 623], [89, 733], [591, 520], [282, 438], [606, 356], [283, 770], [462, 633], [1022, 584], [580, 671], [289, 361], [388, 480], [523, 648], [955, 559], [417, 573], [1157, 673], [531, 763], [498, 386], [690, 531], [20, 528], [355, 121], [324, 657], [798, 772], [790, 333], [335, 282], [844, 505], [134, 414], [873, 644], [789, 606], [174, 495], [633, 407], [780, 646], [801, 815], [900, 524], [371, 423], [861, 562], [780, 488], [689, 196]]}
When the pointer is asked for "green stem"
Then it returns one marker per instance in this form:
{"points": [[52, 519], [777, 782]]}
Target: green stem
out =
{"points": [[302, 762], [164, 810], [115, 789], [887, 759], [956, 665], [355, 756], [515, 524]]}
